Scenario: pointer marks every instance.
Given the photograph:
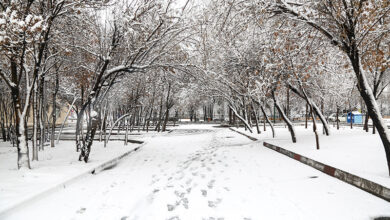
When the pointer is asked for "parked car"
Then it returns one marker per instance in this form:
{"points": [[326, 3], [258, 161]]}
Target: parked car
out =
{"points": [[342, 117]]}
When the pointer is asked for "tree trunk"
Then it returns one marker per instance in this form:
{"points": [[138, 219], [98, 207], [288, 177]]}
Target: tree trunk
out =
{"points": [[230, 117], [284, 117], [66, 117], [315, 108], [337, 118], [127, 131], [168, 106], [35, 124], [41, 113], [315, 127], [158, 126], [20, 133], [241, 119], [112, 127], [53, 114], [91, 130], [164, 126], [306, 115], [365, 127], [268, 121], [351, 117], [288, 103], [256, 119]]}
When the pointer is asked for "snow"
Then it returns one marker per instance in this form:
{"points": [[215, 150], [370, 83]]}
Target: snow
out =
{"points": [[94, 113], [55, 165], [351, 150], [116, 69], [207, 172]]}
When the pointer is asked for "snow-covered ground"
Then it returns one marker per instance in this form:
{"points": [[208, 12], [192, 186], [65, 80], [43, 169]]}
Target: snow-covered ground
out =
{"points": [[55, 166], [206, 172], [352, 150]]}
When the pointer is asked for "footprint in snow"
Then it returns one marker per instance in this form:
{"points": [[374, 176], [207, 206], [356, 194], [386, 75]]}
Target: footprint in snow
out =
{"points": [[185, 203], [188, 182], [213, 204], [170, 207], [179, 194], [81, 210], [210, 185], [204, 192]]}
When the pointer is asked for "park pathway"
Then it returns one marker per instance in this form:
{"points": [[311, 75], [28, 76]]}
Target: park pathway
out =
{"points": [[207, 172]]}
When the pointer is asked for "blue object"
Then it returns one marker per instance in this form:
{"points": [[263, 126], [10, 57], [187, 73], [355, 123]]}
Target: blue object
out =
{"points": [[357, 117]]}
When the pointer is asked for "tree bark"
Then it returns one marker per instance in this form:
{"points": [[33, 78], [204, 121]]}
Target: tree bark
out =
{"points": [[35, 124], [256, 119], [53, 114], [168, 106], [268, 121], [306, 115], [284, 117], [337, 118]]}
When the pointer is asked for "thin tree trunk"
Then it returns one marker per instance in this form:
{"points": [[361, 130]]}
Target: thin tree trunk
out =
{"points": [[41, 113], [112, 127], [315, 108], [337, 118], [365, 127], [315, 127], [284, 117], [158, 126], [241, 119], [35, 124], [66, 118], [91, 131], [54, 115], [127, 131], [268, 121], [256, 119], [351, 119]]}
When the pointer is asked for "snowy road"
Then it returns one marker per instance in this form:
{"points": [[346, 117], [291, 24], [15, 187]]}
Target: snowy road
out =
{"points": [[203, 172]]}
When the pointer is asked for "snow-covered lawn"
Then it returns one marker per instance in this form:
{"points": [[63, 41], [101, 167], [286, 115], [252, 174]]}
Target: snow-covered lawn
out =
{"points": [[55, 166], [352, 150], [205, 172]]}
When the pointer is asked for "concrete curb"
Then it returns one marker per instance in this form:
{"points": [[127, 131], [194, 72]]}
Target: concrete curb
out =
{"points": [[105, 165], [359, 182]]}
